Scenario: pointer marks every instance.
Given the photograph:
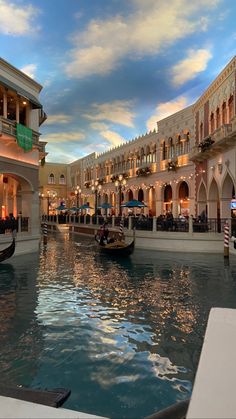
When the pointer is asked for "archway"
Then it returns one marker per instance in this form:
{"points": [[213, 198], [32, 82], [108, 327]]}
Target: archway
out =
{"points": [[183, 206], [214, 201], [140, 195], [202, 200], [228, 193], [130, 195], [167, 204], [151, 197], [15, 195]]}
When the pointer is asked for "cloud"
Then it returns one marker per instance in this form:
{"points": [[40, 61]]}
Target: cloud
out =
{"points": [[148, 30], [17, 20], [166, 109], [189, 67], [112, 137], [99, 126], [58, 119], [59, 155], [117, 112], [63, 137], [30, 70]]}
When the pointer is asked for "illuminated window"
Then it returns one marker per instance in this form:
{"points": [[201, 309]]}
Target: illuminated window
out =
{"points": [[62, 180], [51, 179]]}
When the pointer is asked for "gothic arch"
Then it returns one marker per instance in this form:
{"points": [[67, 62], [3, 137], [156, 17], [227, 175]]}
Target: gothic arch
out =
{"points": [[130, 195], [213, 200], [167, 198], [140, 195], [202, 198], [183, 198], [226, 195]]}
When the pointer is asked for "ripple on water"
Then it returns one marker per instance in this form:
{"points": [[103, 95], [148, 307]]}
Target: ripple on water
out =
{"points": [[124, 336]]}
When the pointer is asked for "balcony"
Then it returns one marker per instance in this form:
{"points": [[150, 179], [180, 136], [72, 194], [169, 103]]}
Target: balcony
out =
{"points": [[222, 139], [8, 128]]}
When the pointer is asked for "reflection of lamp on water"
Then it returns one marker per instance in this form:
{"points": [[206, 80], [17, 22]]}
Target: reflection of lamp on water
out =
{"points": [[120, 185], [78, 194], [95, 189]]}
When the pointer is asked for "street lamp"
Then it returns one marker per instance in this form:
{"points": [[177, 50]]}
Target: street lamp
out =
{"points": [[96, 187], [51, 195], [78, 193], [120, 185]]}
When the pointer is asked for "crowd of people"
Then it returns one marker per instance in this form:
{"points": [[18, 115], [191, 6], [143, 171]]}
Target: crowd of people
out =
{"points": [[8, 224]]}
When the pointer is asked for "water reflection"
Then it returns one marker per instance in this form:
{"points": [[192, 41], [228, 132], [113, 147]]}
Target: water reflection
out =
{"points": [[19, 335], [124, 335]]}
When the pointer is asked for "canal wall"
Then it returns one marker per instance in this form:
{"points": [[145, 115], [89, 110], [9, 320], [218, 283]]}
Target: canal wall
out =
{"points": [[159, 240]]}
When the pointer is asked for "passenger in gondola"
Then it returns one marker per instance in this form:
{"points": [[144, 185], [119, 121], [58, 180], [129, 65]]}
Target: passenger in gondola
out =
{"points": [[103, 234]]}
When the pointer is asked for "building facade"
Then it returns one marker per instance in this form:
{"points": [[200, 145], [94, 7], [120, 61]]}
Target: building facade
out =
{"points": [[21, 115], [185, 166]]}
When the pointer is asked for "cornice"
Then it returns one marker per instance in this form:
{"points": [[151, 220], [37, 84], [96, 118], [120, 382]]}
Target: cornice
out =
{"points": [[20, 73], [225, 73]]}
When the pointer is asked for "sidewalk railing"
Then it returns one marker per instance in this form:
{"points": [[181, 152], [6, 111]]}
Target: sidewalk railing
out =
{"points": [[21, 224], [191, 225]]}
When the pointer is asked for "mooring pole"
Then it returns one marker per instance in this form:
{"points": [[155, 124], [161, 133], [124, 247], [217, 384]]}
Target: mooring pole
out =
{"points": [[45, 233], [226, 240]]}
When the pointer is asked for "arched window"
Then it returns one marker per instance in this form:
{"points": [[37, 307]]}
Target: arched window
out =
{"points": [[224, 113], [154, 156], [62, 180], [212, 123], [138, 160], [142, 155], [164, 151], [186, 144], [217, 118], [201, 131], [148, 155], [51, 179], [179, 146], [171, 148], [231, 107]]}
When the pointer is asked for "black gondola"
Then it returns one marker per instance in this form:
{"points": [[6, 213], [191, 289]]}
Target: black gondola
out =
{"points": [[8, 252], [117, 248]]}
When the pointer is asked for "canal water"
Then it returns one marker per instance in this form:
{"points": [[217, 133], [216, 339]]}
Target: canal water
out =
{"points": [[124, 335]]}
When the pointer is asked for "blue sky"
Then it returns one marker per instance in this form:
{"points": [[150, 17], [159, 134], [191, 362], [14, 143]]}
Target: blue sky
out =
{"points": [[111, 68]]}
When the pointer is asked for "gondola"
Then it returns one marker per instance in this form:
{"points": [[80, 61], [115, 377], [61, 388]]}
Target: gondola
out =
{"points": [[8, 252], [117, 248]]}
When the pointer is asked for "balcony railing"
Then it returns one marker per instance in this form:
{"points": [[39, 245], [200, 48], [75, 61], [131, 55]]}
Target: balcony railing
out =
{"points": [[9, 127], [222, 139]]}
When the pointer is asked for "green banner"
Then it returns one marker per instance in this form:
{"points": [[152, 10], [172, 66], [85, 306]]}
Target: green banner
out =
{"points": [[24, 137]]}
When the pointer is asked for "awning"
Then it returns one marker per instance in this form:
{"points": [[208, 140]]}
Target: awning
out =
{"points": [[10, 85]]}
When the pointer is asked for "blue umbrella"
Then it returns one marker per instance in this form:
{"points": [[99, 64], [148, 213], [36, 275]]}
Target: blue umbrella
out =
{"points": [[134, 204], [106, 205], [61, 208], [85, 206]]}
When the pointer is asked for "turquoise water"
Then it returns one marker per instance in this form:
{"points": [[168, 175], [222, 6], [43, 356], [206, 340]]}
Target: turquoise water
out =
{"points": [[124, 335]]}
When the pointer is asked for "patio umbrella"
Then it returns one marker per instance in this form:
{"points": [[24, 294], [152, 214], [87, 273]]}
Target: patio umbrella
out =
{"points": [[85, 206], [134, 204], [105, 205], [62, 208]]}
